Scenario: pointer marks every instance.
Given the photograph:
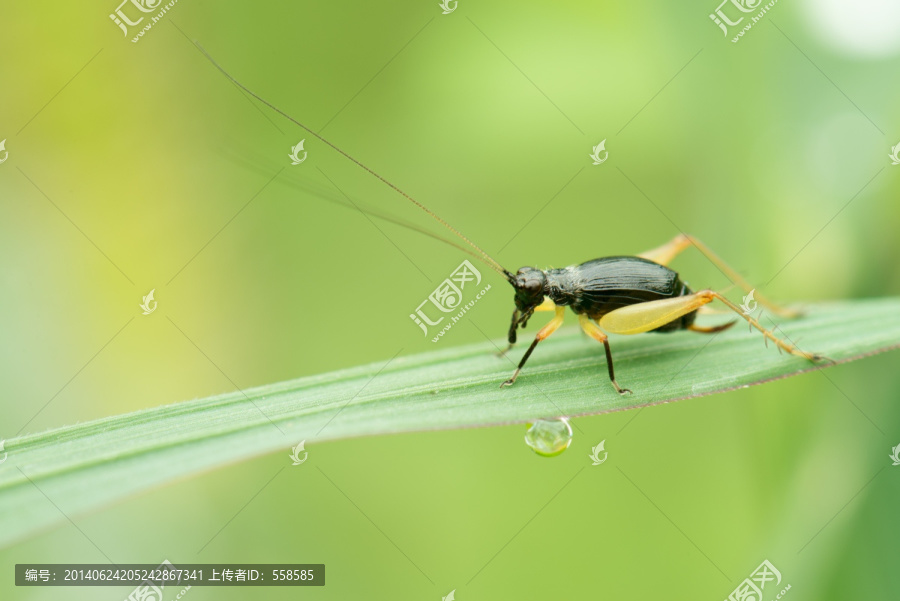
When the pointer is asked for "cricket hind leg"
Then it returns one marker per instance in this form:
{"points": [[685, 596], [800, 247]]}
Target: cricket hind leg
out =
{"points": [[667, 252], [711, 329], [543, 333], [594, 331], [643, 317], [770, 334]]}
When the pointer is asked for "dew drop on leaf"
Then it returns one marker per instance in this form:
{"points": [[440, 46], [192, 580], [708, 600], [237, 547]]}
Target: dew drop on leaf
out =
{"points": [[549, 437]]}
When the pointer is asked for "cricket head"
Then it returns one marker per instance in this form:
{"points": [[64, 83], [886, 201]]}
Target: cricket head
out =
{"points": [[530, 284]]}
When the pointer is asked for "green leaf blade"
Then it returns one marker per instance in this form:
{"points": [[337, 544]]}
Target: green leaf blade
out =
{"points": [[65, 472]]}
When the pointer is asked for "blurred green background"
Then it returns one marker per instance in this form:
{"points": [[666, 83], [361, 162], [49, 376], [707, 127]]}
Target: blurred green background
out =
{"points": [[143, 168]]}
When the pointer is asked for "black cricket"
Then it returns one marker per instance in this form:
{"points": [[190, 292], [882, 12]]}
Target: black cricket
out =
{"points": [[616, 294], [596, 288]]}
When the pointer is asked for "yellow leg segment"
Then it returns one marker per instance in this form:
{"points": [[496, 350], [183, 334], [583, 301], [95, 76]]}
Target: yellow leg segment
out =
{"points": [[594, 331], [552, 325], [643, 317], [547, 305], [667, 252]]}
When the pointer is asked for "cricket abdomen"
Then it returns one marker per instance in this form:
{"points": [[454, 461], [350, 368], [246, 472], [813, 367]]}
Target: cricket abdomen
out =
{"points": [[602, 285]]}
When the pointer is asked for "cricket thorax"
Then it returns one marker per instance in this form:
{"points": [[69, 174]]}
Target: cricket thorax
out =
{"points": [[561, 285]]}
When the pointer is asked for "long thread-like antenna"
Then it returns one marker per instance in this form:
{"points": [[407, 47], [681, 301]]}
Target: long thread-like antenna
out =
{"points": [[484, 256]]}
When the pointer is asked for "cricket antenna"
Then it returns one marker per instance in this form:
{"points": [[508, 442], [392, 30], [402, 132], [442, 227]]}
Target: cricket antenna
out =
{"points": [[486, 258]]}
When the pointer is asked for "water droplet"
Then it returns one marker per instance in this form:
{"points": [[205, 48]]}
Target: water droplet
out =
{"points": [[549, 437]]}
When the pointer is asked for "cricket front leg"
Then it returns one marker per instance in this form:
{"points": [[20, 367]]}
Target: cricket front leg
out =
{"points": [[544, 332], [547, 305], [512, 334]]}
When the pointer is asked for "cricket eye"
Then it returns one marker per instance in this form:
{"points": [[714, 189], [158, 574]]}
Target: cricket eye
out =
{"points": [[533, 286]]}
